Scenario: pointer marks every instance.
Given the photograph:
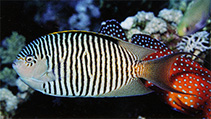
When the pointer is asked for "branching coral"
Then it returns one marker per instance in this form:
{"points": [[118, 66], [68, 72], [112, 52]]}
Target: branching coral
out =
{"points": [[10, 99], [11, 46], [8, 76], [198, 41]]}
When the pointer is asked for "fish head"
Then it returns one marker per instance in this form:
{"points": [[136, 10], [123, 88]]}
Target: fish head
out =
{"points": [[184, 29], [29, 65]]}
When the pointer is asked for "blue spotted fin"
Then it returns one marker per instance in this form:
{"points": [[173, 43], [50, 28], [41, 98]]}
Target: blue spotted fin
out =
{"points": [[113, 29], [148, 42]]}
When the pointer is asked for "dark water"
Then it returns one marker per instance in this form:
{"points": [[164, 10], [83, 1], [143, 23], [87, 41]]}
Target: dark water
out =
{"points": [[43, 106], [14, 17]]}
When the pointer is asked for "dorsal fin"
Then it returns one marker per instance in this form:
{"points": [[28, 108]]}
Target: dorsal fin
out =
{"points": [[149, 42], [113, 29]]}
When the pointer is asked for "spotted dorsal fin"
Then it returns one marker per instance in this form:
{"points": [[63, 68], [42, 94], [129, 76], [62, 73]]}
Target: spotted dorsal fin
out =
{"points": [[113, 29], [149, 42]]}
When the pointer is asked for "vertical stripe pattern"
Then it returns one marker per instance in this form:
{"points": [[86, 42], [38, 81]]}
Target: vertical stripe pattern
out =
{"points": [[84, 64]]}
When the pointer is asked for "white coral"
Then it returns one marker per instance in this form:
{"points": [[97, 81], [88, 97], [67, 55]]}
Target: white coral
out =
{"points": [[10, 99], [144, 16], [127, 23], [195, 41], [156, 25], [21, 85], [171, 15]]}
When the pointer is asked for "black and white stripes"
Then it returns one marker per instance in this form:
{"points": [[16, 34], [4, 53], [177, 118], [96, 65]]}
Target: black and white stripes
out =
{"points": [[84, 64]]}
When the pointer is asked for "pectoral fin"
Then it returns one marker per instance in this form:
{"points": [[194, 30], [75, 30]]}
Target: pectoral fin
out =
{"points": [[47, 76], [34, 83]]}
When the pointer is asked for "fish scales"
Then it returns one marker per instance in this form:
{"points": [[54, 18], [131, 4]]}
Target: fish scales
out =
{"points": [[83, 64]]}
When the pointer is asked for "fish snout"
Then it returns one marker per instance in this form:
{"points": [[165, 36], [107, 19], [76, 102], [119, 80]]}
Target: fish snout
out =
{"points": [[15, 64]]}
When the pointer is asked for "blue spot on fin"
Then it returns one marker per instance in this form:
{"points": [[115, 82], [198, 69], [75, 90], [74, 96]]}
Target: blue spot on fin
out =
{"points": [[149, 42], [113, 28]]}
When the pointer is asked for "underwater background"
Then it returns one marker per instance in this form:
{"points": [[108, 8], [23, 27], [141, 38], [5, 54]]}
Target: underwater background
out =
{"points": [[28, 20]]}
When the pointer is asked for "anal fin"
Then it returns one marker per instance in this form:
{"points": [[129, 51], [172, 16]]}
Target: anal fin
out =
{"points": [[134, 88]]}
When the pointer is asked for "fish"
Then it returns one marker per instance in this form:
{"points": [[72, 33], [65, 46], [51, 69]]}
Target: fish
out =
{"points": [[195, 17], [186, 75], [78, 63]]}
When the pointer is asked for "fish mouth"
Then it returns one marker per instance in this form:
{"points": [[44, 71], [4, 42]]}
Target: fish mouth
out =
{"points": [[14, 64]]}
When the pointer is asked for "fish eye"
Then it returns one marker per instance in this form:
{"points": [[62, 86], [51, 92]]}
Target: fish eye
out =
{"points": [[29, 58]]}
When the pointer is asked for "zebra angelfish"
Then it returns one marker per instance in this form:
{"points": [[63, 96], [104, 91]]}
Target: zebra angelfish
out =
{"points": [[79, 63]]}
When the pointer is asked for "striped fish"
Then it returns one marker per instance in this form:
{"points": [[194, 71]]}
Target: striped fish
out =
{"points": [[87, 64]]}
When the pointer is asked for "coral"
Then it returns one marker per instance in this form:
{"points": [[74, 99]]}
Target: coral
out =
{"points": [[65, 14], [147, 20], [156, 25], [85, 10], [10, 100], [127, 23], [2, 116], [8, 52], [22, 87], [197, 44], [87, 6], [9, 48], [79, 21], [142, 16], [164, 28], [171, 15], [198, 41], [8, 76]]}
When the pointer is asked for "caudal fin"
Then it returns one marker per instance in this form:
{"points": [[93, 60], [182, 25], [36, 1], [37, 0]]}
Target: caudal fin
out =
{"points": [[157, 71]]}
